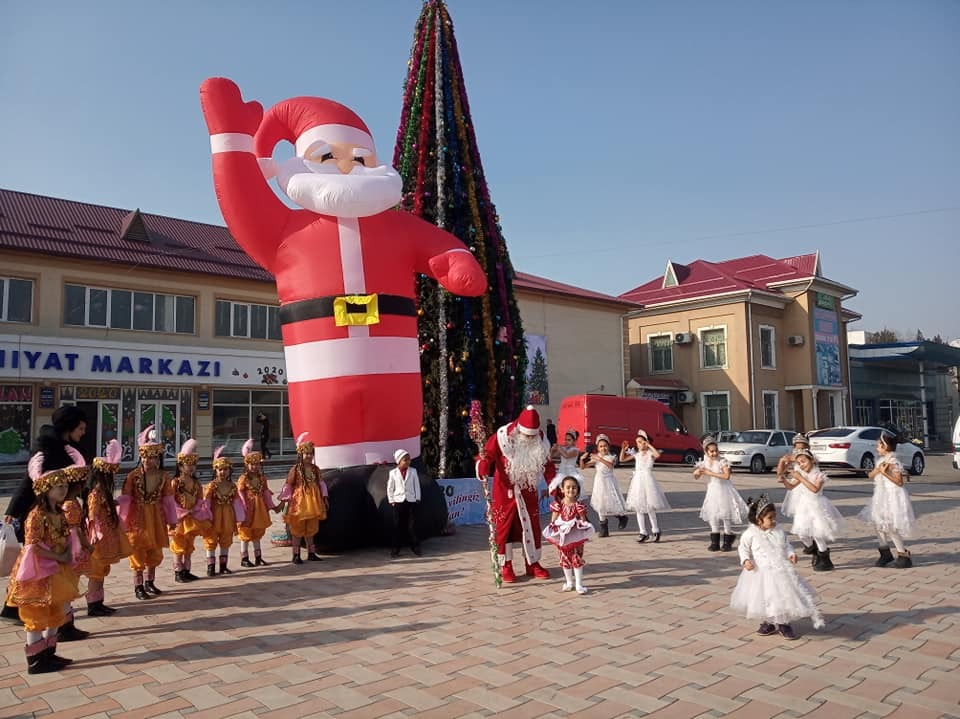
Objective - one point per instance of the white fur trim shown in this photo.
(351, 357)
(530, 549)
(231, 142)
(349, 455)
(334, 133)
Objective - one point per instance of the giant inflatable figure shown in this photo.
(345, 267)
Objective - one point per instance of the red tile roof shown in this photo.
(707, 279)
(35, 223)
(533, 283)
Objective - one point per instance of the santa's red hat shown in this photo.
(529, 421)
(305, 120)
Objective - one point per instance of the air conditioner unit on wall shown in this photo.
(795, 340)
(683, 338)
(686, 397)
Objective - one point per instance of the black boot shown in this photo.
(189, 576)
(55, 660)
(69, 633)
(151, 587)
(728, 542)
(211, 569)
(178, 576)
(37, 662)
(223, 566)
(814, 555)
(312, 557)
(886, 556)
(10, 612)
(105, 608)
(904, 560)
(604, 528)
(823, 562)
(245, 562)
(140, 592)
(258, 560)
(96, 609)
(622, 521)
(714, 542)
(297, 559)
(811, 549)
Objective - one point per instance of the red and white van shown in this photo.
(620, 417)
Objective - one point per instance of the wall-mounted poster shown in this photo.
(826, 331)
(537, 384)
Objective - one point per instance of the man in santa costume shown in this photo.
(345, 267)
(518, 458)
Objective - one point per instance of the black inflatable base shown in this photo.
(361, 516)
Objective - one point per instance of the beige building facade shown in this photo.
(751, 343)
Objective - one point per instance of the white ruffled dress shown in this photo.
(645, 493)
(890, 508)
(722, 501)
(566, 468)
(813, 514)
(772, 591)
(605, 497)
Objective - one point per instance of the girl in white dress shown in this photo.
(568, 455)
(890, 509)
(815, 520)
(722, 505)
(645, 497)
(605, 498)
(769, 588)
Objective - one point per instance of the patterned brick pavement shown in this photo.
(360, 635)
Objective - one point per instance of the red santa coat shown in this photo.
(354, 385)
(516, 514)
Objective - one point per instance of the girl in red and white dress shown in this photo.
(257, 502)
(227, 509)
(193, 512)
(306, 493)
(110, 543)
(568, 531)
(43, 581)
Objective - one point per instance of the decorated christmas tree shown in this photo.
(471, 348)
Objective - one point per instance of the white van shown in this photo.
(956, 444)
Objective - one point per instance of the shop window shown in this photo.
(16, 300)
(661, 353)
(125, 310)
(714, 344)
(16, 413)
(235, 414)
(240, 319)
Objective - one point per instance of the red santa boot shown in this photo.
(536, 571)
(506, 573)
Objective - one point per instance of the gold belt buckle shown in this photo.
(353, 310)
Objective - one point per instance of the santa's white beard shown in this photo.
(525, 460)
(322, 188)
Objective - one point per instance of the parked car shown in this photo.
(856, 448)
(956, 444)
(756, 449)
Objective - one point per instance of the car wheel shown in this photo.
(917, 465)
(690, 458)
(758, 465)
(866, 463)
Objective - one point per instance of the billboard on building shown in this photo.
(826, 332)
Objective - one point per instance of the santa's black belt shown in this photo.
(348, 309)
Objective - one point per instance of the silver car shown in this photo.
(757, 449)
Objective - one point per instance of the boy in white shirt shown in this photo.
(403, 493)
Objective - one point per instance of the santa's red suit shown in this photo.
(345, 279)
(515, 501)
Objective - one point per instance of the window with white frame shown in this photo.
(714, 348)
(16, 299)
(716, 411)
(85, 306)
(771, 409)
(661, 353)
(242, 319)
(768, 347)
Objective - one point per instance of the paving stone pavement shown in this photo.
(360, 635)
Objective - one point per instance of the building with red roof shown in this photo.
(752, 342)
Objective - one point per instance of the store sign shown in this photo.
(827, 302)
(46, 398)
(54, 359)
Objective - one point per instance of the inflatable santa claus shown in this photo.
(518, 459)
(345, 267)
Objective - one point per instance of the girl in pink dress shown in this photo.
(568, 531)
(110, 543)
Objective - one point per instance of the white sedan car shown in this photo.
(856, 448)
(756, 449)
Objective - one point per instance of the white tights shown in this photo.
(715, 526)
(642, 522)
(887, 537)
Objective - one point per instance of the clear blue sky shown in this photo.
(614, 135)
